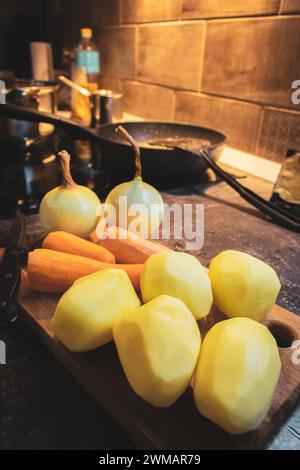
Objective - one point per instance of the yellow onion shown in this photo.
(138, 206)
(70, 207)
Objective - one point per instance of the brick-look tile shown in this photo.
(238, 119)
(290, 6)
(141, 11)
(117, 48)
(109, 83)
(148, 101)
(253, 59)
(221, 8)
(172, 54)
(280, 131)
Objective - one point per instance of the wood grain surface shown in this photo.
(52, 411)
(179, 426)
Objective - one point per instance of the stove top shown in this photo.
(30, 169)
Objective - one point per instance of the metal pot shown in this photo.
(25, 93)
(106, 107)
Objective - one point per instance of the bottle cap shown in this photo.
(86, 33)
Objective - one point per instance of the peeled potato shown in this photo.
(243, 286)
(85, 314)
(180, 275)
(158, 346)
(237, 374)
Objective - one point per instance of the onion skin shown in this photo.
(141, 222)
(70, 207)
(137, 192)
(73, 210)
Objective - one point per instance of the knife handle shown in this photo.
(10, 274)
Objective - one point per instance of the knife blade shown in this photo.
(10, 270)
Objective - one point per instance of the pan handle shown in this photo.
(279, 215)
(26, 114)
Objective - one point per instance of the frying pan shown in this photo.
(171, 154)
(163, 167)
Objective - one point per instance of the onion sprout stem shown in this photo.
(67, 181)
(137, 153)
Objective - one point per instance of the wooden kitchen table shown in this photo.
(41, 405)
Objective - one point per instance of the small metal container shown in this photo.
(106, 107)
(25, 93)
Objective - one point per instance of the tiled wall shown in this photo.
(227, 64)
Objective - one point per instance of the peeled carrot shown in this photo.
(68, 243)
(128, 247)
(2, 251)
(54, 271)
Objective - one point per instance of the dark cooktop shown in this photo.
(30, 169)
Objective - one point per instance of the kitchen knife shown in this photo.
(10, 270)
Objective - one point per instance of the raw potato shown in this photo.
(180, 275)
(85, 314)
(237, 374)
(158, 345)
(243, 286)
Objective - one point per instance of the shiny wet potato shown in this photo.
(237, 374)
(243, 286)
(84, 316)
(158, 346)
(180, 275)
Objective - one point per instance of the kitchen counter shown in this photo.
(41, 405)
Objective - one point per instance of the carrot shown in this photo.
(68, 243)
(54, 271)
(2, 251)
(128, 247)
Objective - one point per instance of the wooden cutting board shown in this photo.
(179, 426)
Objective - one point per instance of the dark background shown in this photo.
(23, 21)
(242, 85)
